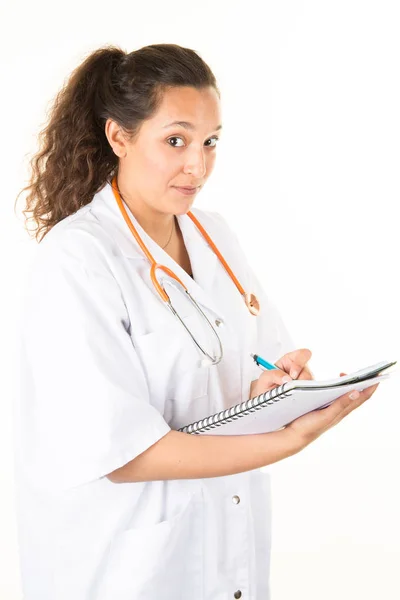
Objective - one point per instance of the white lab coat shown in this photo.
(105, 371)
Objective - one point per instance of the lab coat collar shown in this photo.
(203, 260)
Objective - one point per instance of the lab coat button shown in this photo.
(218, 322)
(236, 500)
(237, 594)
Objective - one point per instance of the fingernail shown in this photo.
(354, 395)
(286, 378)
(294, 373)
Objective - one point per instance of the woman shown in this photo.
(114, 503)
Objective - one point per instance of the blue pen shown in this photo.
(262, 362)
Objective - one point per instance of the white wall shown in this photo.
(308, 176)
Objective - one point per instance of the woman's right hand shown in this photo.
(310, 426)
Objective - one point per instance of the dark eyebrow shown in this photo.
(187, 125)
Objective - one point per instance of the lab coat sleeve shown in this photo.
(85, 408)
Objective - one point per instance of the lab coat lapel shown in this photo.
(204, 261)
(204, 264)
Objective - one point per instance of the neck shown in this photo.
(156, 224)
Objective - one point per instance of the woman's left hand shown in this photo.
(295, 364)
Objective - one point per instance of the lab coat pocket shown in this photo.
(171, 362)
(164, 560)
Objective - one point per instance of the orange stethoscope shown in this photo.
(250, 299)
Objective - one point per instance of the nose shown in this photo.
(196, 164)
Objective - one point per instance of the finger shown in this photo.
(367, 392)
(337, 410)
(349, 406)
(275, 377)
(295, 368)
(293, 362)
(306, 373)
(364, 395)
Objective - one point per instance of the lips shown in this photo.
(187, 191)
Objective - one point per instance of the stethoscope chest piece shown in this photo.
(252, 303)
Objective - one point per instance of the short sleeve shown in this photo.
(83, 405)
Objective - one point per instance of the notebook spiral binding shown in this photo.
(235, 412)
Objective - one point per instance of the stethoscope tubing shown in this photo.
(250, 300)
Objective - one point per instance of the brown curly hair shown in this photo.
(75, 159)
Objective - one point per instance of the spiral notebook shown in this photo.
(285, 403)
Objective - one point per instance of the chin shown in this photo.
(182, 207)
(183, 211)
(182, 204)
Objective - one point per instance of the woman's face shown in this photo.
(165, 155)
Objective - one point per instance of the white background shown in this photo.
(307, 174)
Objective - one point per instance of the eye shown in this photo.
(174, 138)
(214, 138)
